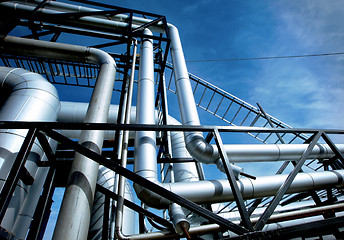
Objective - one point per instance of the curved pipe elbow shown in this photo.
(150, 198)
(99, 57)
(32, 91)
(206, 153)
(61, 51)
(200, 149)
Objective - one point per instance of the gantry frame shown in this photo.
(55, 26)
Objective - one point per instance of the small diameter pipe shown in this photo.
(200, 230)
(124, 153)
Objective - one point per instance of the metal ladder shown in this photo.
(234, 111)
(221, 104)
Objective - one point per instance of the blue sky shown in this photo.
(303, 92)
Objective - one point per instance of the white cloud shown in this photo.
(305, 92)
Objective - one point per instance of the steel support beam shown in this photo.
(323, 227)
(283, 189)
(135, 207)
(270, 122)
(154, 127)
(333, 147)
(232, 181)
(10, 184)
(213, 218)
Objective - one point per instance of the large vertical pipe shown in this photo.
(74, 217)
(26, 96)
(106, 178)
(145, 145)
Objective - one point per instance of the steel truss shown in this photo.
(42, 130)
(210, 98)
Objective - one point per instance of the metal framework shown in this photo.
(241, 116)
(45, 129)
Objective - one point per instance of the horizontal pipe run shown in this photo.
(200, 230)
(237, 153)
(243, 151)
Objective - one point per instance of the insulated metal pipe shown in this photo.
(237, 153)
(199, 149)
(200, 230)
(79, 193)
(106, 178)
(145, 142)
(82, 181)
(219, 190)
(195, 143)
(183, 172)
(26, 96)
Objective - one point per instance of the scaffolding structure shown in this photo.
(292, 209)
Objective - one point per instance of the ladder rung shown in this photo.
(227, 110)
(218, 106)
(236, 114)
(211, 99)
(199, 103)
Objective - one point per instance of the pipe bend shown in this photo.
(27, 86)
(99, 57)
(200, 149)
(152, 199)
